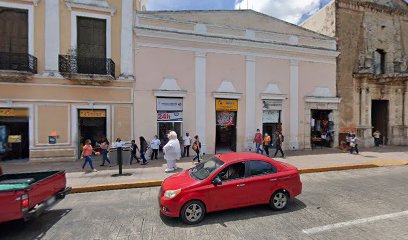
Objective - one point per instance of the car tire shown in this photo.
(192, 212)
(279, 200)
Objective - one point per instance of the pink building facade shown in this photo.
(223, 74)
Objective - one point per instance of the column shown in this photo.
(201, 116)
(294, 104)
(250, 101)
(406, 113)
(126, 53)
(52, 36)
(363, 104)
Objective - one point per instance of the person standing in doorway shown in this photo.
(154, 145)
(376, 136)
(258, 141)
(278, 143)
(86, 154)
(172, 151)
(354, 144)
(105, 146)
(143, 149)
(266, 143)
(133, 149)
(197, 148)
(187, 144)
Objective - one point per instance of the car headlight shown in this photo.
(171, 193)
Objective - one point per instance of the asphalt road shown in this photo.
(356, 204)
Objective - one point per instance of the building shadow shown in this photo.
(33, 229)
(232, 215)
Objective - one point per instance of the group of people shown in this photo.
(352, 142)
(266, 143)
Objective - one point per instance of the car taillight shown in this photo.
(24, 202)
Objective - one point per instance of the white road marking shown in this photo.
(353, 222)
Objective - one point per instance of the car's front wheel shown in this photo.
(279, 200)
(193, 212)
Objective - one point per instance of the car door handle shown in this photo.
(240, 185)
(273, 179)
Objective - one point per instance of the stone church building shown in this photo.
(372, 73)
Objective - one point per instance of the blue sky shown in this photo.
(294, 11)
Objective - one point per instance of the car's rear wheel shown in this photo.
(193, 212)
(279, 200)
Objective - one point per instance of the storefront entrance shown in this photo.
(226, 122)
(322, 128)
(271, 118)
(14, 133)
(379, 118)
(91, 125)
(169, 118)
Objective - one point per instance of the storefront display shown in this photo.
(91, 125)
(271, 118)
(322, 128)
(226, 119)
(169, 117)
(14, 131)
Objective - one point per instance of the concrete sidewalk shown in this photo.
(306, 160)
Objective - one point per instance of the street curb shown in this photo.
(157, 183)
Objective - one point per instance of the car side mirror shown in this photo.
(217, 181)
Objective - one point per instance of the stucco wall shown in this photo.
(324, 21)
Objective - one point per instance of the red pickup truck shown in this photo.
(27, 195)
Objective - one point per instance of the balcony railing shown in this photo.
(18, 62)
(83, 65)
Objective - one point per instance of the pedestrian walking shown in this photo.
(133, 149)
(172, 151)
(266, 143)
(186, 144)
(258, 141)
(86, 155)
(154, 145)
(143, 149)
(119, 143)
(354, 144)
(105, 146)
(197, 148)
(376, 136)
(278, 143)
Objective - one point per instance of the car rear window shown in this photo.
(261, 168)
(204, 169)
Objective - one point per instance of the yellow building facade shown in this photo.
(66, 75)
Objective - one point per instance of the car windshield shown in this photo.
(204, 169)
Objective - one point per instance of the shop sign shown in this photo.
(92, 113)
(225, 118)
(13, 112)
(169, 104)
(14, 138)
(271, 105)
(226, 105)
(52, 140)
(170, 116)
(270, 116)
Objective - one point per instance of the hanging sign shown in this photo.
(92, 113)
(14, 139)
(270, 116)
(226, 105)
(169, 104)
(226, 118)
(13, 112)
(169, 116)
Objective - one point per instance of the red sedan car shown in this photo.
(228, 181)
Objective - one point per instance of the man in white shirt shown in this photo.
(187, 144)
(155, 145)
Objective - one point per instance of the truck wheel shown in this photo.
(192, 212)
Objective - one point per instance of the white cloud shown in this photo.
(287, 10)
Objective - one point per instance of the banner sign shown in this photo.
(226, 105)
(169, 104)
(92, 113)
(270, 116)
(170, 116)
(226, 118)
(14, 139)
(271, 105)
(13, 112)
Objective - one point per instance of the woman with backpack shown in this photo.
(197, 148)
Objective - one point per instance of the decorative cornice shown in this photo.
(350, 4)
(322, 99)
(35, 2)
(169, 93)
(227, 95)
(271, 96)
(109, 10)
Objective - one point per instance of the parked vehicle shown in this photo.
(228, 181)
(27, 195)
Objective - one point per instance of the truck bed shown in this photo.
(22, 180)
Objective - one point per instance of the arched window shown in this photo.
(379, 61)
